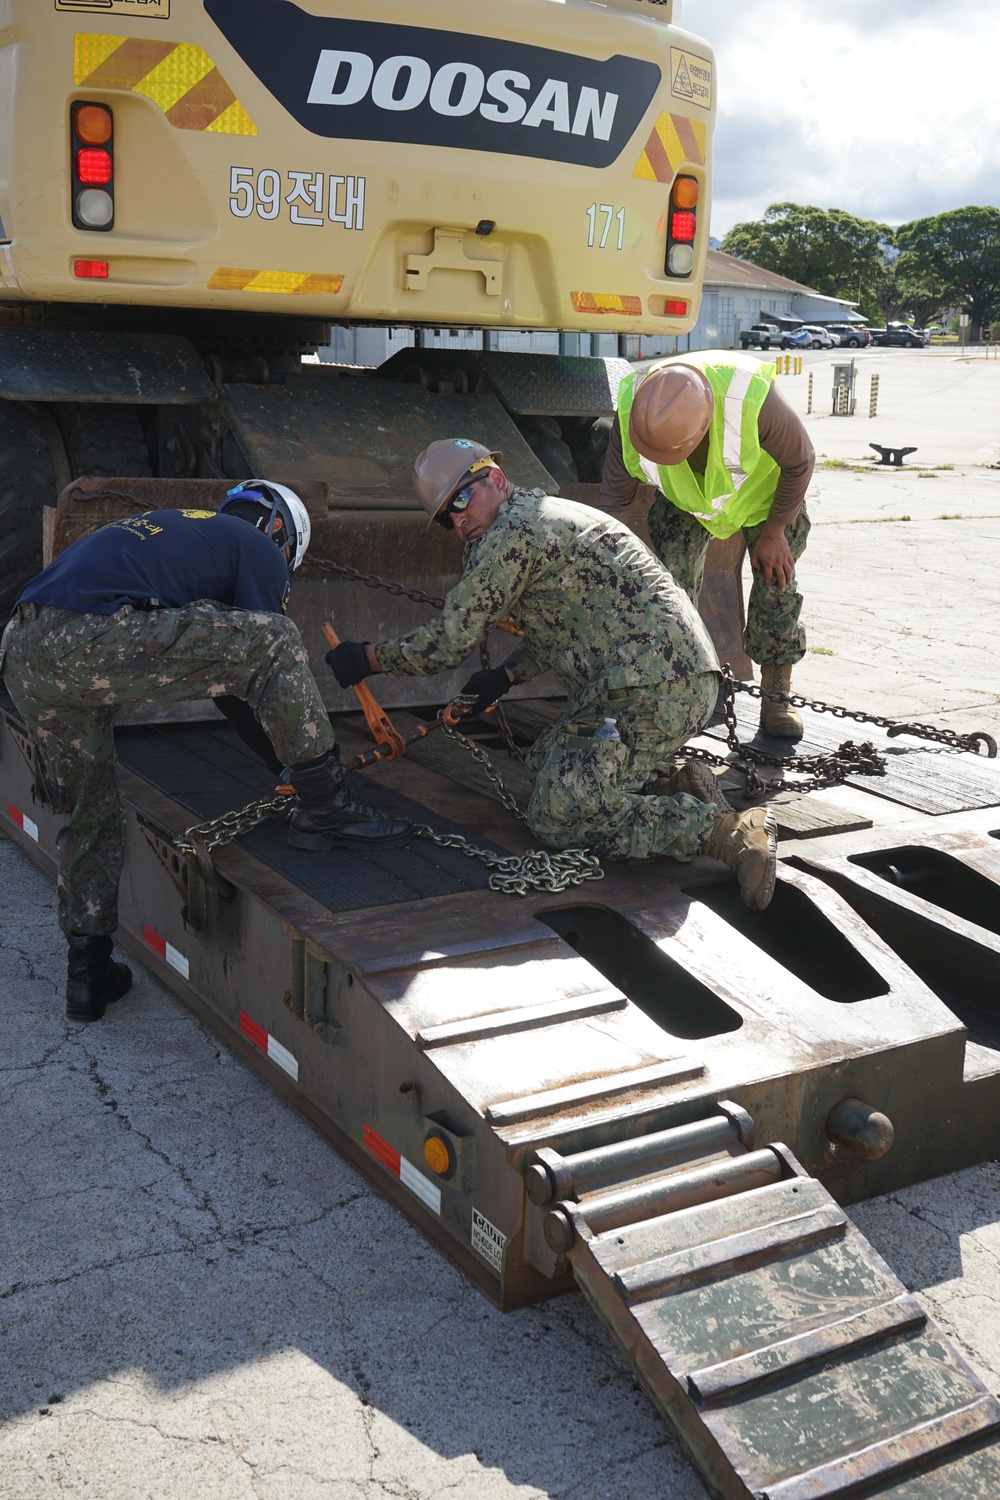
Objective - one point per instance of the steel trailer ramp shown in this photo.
(787, 1357)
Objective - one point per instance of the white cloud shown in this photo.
(886, 108)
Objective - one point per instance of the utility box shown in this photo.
(844, 378)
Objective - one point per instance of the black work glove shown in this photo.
(349, 662)
(488, 685)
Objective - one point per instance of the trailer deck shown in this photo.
(636, 1085)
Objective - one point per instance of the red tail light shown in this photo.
(94, 166)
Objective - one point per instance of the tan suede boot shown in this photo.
(748, 843)
(695, 778)
(777, 718)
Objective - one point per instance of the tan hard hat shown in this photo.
(671, 413)
(441, 468)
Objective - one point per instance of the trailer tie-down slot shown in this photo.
(802, 939)
(654, 981)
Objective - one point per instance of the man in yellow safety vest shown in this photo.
(726, 452)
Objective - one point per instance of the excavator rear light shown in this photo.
(674, 309)
(91, 269)
(92, 159)
(93, 166)
(682, 226)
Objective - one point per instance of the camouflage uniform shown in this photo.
(599, 611)
(68, 673)
(773, 630)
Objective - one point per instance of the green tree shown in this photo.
(959, 250)
(902, 290)
(827, 249)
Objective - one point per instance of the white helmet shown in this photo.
(282, 502)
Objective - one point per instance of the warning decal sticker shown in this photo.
(487, 1240)
(691, 77)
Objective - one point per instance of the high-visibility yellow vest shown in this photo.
(740, 479)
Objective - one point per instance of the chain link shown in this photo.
(515, 875)
(229, 825)
(893, 727)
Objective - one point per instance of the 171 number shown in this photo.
(610, 217)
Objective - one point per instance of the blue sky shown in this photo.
(889, 109)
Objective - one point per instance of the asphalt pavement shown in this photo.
(199, 1297)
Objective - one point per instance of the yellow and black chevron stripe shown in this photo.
(180, 78)
(291, 283)
(674, 141)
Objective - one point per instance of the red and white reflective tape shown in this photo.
(269, 1046)
(427, 1191)
(166, 951)
(20, 820)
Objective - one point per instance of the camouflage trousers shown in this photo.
(591, 792)
(773, 631)
(68, 675)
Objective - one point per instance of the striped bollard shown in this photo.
(873, 397)
(809, 398)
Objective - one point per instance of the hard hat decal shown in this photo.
(178, 77)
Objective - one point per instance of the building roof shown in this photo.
(728, 270)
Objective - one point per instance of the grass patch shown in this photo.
(876, 520)
(942, 466)
(926, 474)
(821, 651)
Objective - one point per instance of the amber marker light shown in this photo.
(685, 193)
(93, 124)
(437, 1155)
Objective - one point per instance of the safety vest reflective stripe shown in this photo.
(733, 419)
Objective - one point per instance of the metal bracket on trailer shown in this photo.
(194, 875)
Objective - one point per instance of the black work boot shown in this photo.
(329, 816)
(92, 979)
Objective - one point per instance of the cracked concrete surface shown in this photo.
(199, 1297)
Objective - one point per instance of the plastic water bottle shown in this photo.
(609, 731)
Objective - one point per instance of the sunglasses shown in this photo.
(458, 502)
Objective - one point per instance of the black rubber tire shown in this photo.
(854, 343)
(765, 343)
(544, 437)
(27, 483)
(104, 440)
(588, 440)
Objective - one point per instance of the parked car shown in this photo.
(900, 337)
(819, 338)
(799, 338)
(850, 335)
(762, 336)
